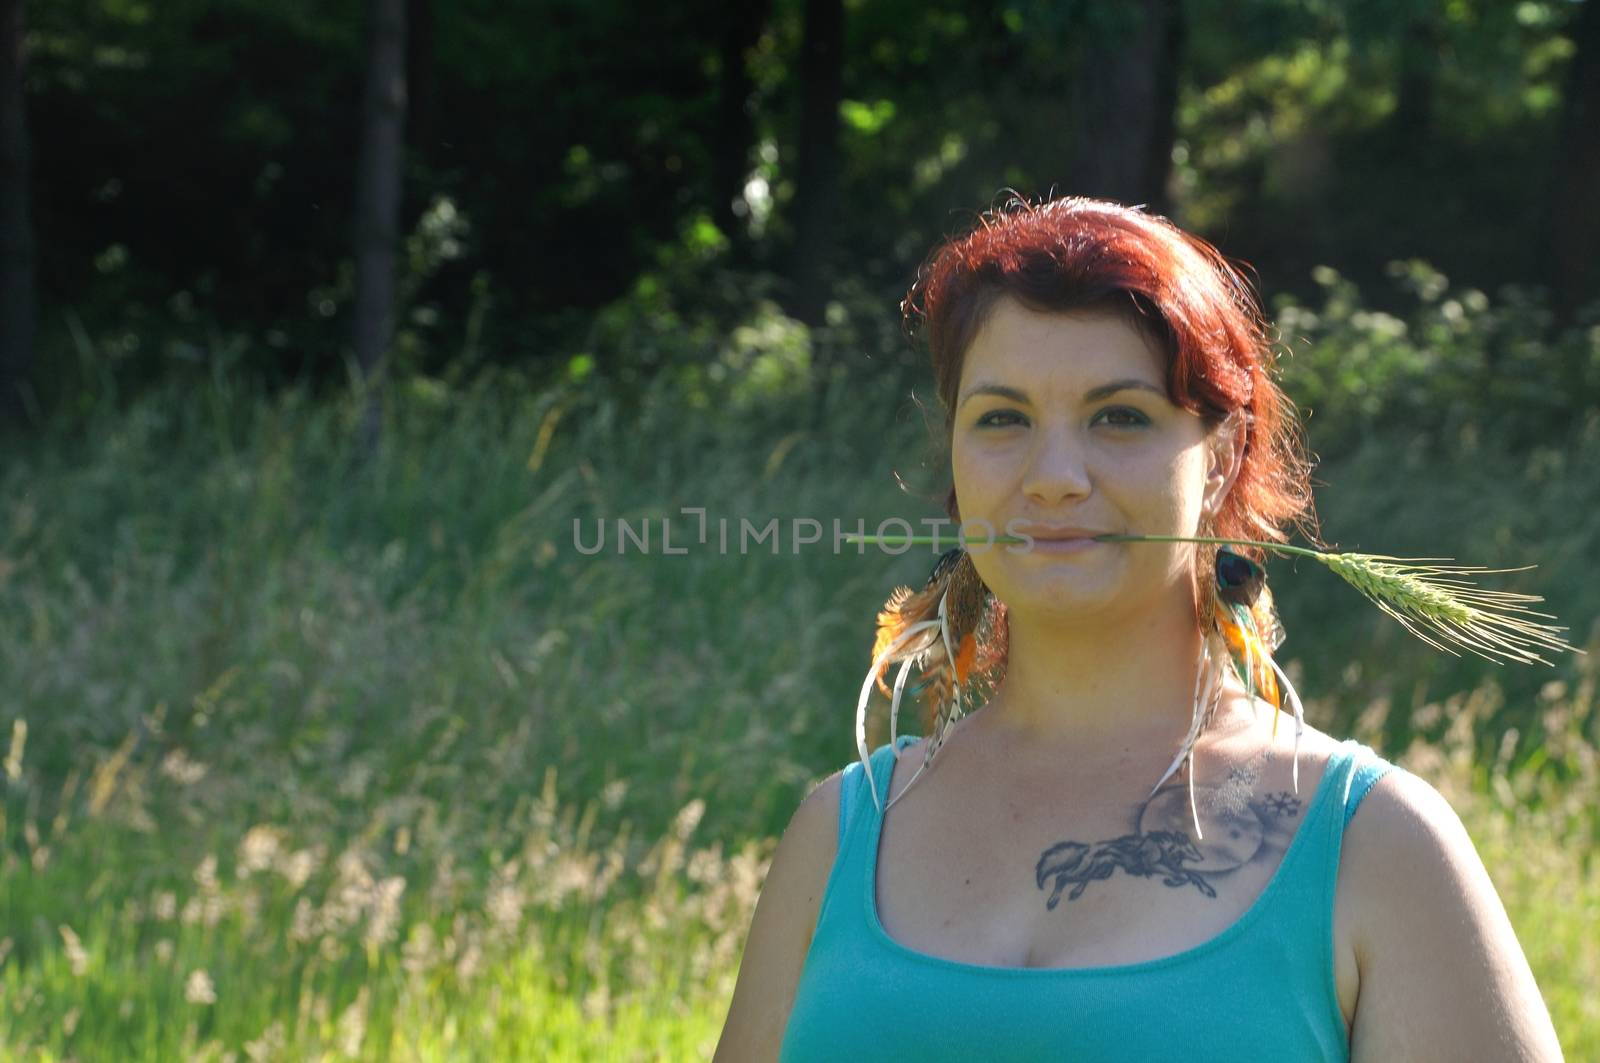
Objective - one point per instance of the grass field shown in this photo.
(311, 757)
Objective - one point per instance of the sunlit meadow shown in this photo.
(312, 757)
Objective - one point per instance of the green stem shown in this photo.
(1300, 550)
(910, 540)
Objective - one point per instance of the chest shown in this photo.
(1025, 884)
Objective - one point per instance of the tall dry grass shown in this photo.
(306, 757)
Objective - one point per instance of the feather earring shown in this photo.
(1207, 693)
(1245, 614)
(933, 630)
(1243, 629)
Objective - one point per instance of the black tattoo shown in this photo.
(1146, 855)
(1237, 827)
(1282, 803)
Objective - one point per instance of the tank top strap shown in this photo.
(1365, 768)
(856, 814)
(1358, 767)
(1293, 919)
(854, 800)
(1351, 772)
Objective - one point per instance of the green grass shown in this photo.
(311, 757)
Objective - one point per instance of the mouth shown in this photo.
(1056, 539)
(1058, 533)
(1073, 545)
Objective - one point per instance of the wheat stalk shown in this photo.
(1427, 598)
(1486, 622)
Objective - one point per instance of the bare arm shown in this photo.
(1442, 976)
(781, 929)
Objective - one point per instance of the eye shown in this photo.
(988, 419)
(1130, 418)
(1135, 417)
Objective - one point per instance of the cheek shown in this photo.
(1183, 485)
(973, 485)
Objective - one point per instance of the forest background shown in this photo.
(321, 325)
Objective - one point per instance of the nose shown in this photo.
(1057, 467)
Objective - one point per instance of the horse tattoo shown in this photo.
(1159, 852)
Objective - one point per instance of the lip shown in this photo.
(1058, 539)
(1059, 532)
(1061, 546)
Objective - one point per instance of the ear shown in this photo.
(1226, 457)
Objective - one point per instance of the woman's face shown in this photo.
(1040, 437)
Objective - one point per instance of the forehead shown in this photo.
(1041, 351)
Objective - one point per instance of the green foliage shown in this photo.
(1357, 134)
(185, 188)
(1449, 361)
(306, 756)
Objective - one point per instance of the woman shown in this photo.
(1030, 898)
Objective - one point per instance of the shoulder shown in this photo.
(1404, 818)
(1429, 931)
(806, 851)
(782, 926)
(814, 827)
(1406, 845)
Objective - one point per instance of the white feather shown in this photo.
(1299, 718)
(941, 722)
(899, 690)
(1206, 667)
(866, 692)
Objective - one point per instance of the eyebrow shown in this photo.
(1092, 395)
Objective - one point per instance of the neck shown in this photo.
(1113, 681)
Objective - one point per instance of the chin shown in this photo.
(1067, 595)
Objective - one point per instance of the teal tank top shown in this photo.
(1262, 989)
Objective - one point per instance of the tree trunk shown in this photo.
(378, 201)
(817, 176)
(1573, 224)
(16, 229)
(735, 123)
(1124, 97)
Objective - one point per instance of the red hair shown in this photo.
(1082, 254)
